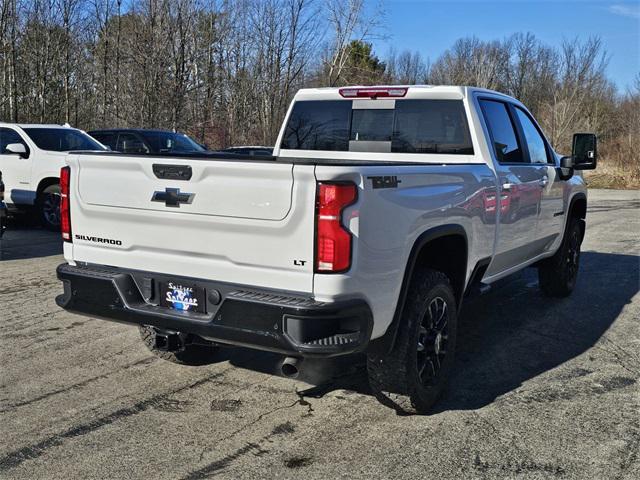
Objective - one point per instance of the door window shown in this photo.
(61, 139)
(163, 142)
(130, 143)
(503, 133)
(535, 143)
(107, 138)
(8, 136)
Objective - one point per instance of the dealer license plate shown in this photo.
(181, 296)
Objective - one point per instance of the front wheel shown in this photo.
(48, 205)
(558, 275)
(411, 377)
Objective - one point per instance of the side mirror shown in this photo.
(585, 151)
(18, 148)
(566, 162)
(566, 168)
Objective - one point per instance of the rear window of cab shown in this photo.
(413, 126)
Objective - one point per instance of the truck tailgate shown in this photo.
(246, 222)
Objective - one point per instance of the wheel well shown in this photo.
(442, 248)
(579, 208)
(46, 182)
(447, 254)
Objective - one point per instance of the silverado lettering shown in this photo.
(109, 241)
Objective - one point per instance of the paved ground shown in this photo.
(544, 388)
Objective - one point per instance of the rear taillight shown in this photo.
(65, 214)
(333, 241)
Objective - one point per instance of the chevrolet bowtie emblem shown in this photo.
(172, 197)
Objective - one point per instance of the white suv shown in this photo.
(30, 160)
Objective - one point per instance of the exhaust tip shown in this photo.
(291, 367)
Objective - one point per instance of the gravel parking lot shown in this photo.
(543, 389)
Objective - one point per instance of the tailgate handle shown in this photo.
(172, 172)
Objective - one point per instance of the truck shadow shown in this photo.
(506, 337)
(24, 239)
(515, 333)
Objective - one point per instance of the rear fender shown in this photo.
(386, 342)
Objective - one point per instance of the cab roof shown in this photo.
(33, 125)
(137, 130)
(413, 91)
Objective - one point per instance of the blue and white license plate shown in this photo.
(184, 297)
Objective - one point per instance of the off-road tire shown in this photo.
(192, 354)
(394, 376)
(557, 275)
(47, 201)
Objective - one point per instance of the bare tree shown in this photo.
(9, 26)
(225, 70)
(349, 22)
(283, 44)
(472, 62)
(532, 74)
(407, 68)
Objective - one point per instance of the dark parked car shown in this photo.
(143, 141)
(3, 208)
(260, 151)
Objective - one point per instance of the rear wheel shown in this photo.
(190, 353)
(558, 275)
(411, 377)
(48, 205)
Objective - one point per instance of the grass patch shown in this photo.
(612, 176)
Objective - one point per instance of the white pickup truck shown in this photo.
(30, 159)
(380, 209)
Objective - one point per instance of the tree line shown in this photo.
(224, 71)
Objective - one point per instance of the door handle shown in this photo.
(544, 181)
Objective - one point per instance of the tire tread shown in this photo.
(552, 274)
(389, 375)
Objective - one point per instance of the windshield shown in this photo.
(62, 139)
(171, 142)
(409, 126)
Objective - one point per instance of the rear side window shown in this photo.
(413, 126)
(318, 125)
(165, 142)
(431, 126)
(503, 134)
(108, 138)
(130, 143)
